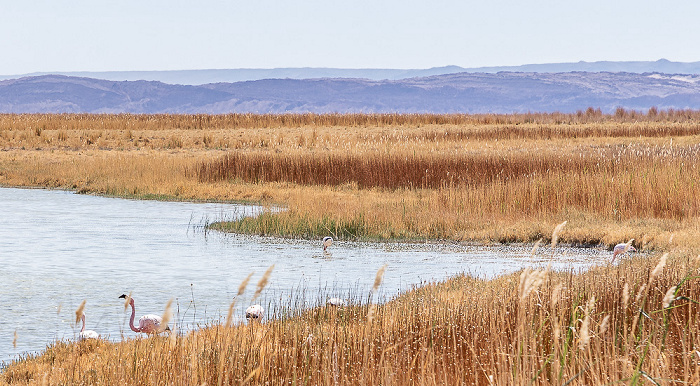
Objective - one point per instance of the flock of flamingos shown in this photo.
(151, 324)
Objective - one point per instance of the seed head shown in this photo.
(669, 297)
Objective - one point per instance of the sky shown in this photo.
(140, 35)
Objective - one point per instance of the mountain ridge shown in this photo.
(205, 76)
(502, 92)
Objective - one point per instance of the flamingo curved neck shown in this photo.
(133, 315)
(83, 319)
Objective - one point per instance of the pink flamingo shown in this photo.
(327, 241)
(149, 324)
(622, 248)
(254, 312)
(87, 334)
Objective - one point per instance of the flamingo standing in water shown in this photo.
(87, 334)
(327, 241)
(254, 312)
(336, 302)
(149, 324)
(622, 248)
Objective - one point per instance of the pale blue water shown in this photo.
(58, 249)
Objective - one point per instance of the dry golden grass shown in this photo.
(511, 178)
(489, 177)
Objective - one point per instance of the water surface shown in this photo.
(58, 249)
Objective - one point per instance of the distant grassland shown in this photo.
(459, 177)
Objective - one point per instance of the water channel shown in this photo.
(58, 248)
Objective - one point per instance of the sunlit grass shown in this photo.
(484, 178)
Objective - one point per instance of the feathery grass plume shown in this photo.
(556, 294)
(659, 267)
(534, 247)
(244, 283)
(639, 294)
(625, 295)
(79, 311)
(60, 305)
(669, 297)
(604, 325)
(670, 239)
(241, 290)
(167, 314)
(555, 234)
(531, 280)
(263, 282)
(126, 302)
(585, 335)
(378, 278)
(523, 279)
(14, 340)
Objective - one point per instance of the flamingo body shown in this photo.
(87, 334)
(336, 302)
(254, 312)
(149, 324)
(327, 241)
(622, 248)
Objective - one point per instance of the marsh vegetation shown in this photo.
(483, 178)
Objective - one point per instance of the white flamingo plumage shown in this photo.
(336, 302)
(327, 241)
(149, 324)
(87, 334)
(254, 312)
(622, 248)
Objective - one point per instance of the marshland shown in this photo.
(456, 180)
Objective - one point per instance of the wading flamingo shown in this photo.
(622, 248)
(254, 312)
(327, 241)
(149, 324)
(87, 334)
(336, 302)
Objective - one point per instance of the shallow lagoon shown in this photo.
(58, 248)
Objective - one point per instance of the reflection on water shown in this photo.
(58, 249)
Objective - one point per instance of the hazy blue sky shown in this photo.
(100, 35)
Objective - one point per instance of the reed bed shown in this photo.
(484, 178)
(631, 324)
(490, 178)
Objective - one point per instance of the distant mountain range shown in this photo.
(462, 92)
(198, 77)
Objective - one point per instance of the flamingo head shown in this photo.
(124, 296)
